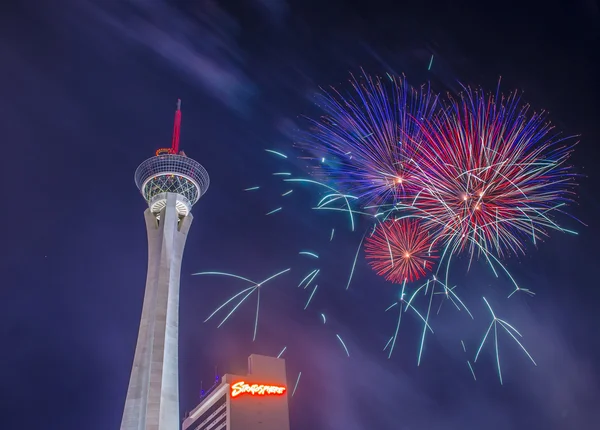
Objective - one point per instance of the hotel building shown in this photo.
(256, 401)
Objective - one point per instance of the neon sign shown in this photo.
(255, 389)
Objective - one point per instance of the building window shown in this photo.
(208, 420)
(215, 425)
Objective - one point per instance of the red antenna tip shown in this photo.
(176, 128)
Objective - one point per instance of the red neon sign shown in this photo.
(256, 389)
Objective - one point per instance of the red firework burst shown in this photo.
(493, 173)
(400, 250)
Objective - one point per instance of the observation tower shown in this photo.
(171, 183)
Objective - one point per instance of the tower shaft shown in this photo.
(152, 401)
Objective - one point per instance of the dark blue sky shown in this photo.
(87, 92)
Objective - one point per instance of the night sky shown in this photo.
(87, 92)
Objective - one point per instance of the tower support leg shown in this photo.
(152, 401)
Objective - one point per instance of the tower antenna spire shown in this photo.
(176, 128)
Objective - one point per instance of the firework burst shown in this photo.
(478, 174)
(492, 174)
(366, 138)
(400, 250)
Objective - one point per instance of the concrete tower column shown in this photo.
(153, 395)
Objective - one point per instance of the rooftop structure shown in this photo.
(256, 401)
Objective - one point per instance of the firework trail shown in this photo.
(403, 306)
(244, 294)
(296, 385)
(365, 140)
(343, 344)
(509, 329)
(282, 351)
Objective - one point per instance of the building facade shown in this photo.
(256, 401)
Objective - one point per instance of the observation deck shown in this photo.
(171, 173)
